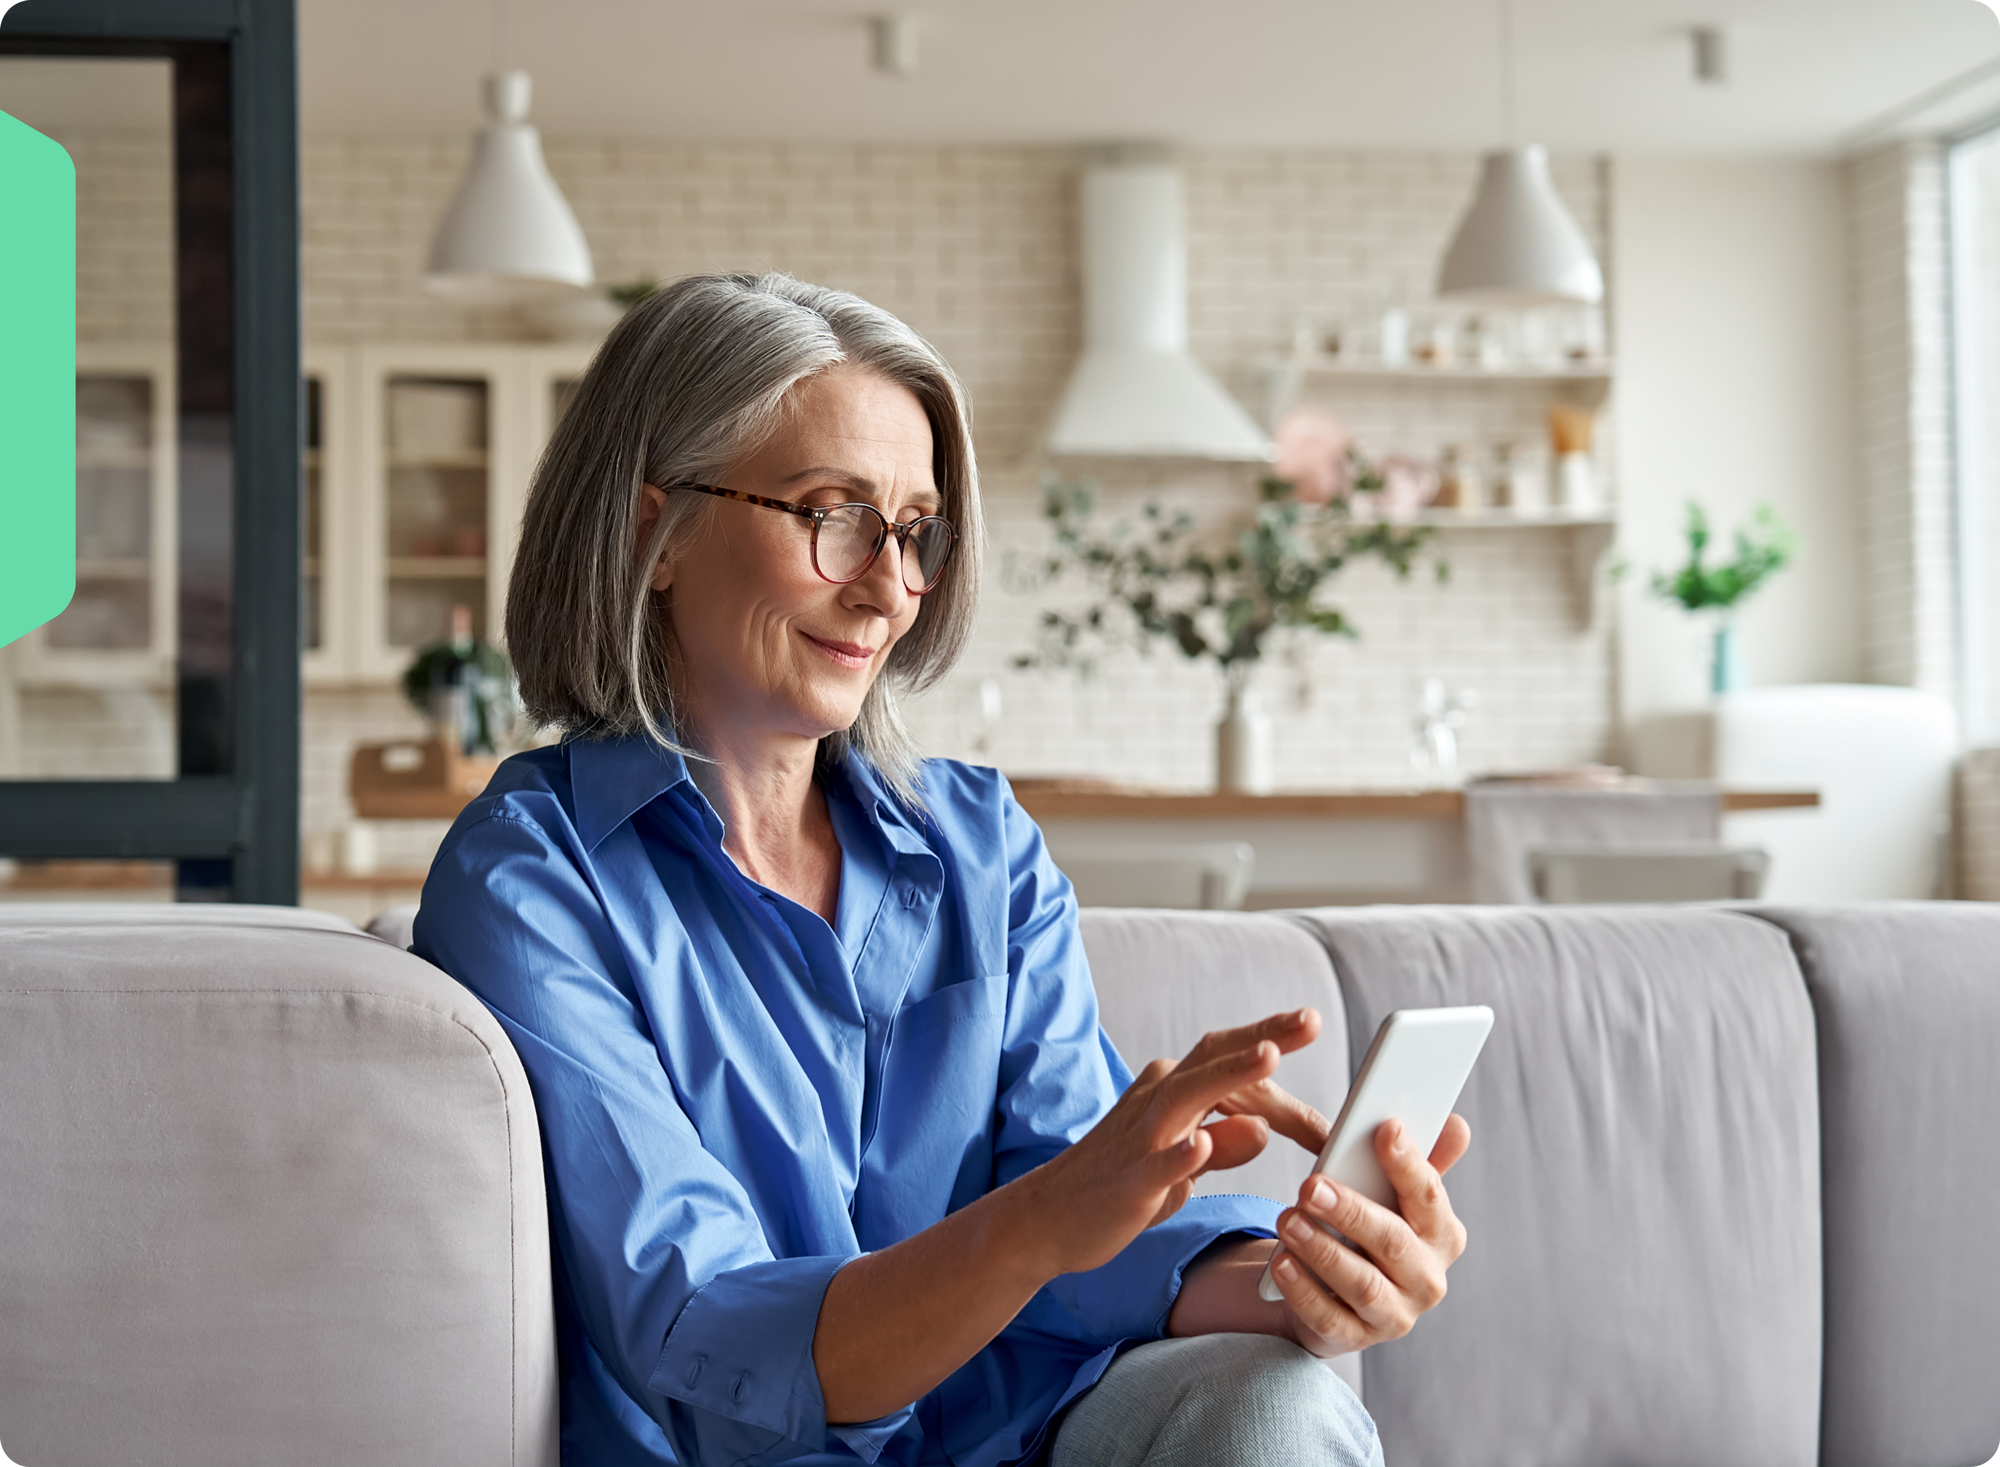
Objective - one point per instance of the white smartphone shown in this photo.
(1412, 1073)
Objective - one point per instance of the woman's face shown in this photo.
(771, 650)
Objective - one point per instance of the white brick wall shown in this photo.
(1903, 413)
(1978, 820)
(124, 234)
(976, 247)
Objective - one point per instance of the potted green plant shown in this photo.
(1763, 548)
(1220, 594)
(465, 687)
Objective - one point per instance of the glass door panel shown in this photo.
(439, 484)
(115, 570)
(93, 694)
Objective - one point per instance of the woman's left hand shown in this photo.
(1343, 1296)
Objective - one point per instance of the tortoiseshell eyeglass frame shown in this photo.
(818, 513)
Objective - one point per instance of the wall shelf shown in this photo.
(1322, 366)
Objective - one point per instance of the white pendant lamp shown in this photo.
(509, 234)
(1517, 245)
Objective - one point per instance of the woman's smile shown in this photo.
(852, 655)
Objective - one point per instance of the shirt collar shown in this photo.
(611, 780)
(898, 825)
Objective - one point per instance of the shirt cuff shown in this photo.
(1130, 1297)
(742, 1349)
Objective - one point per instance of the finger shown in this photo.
(1169, 1166)
(1369, 1294)
(1235, 1140)
(1289, 1116)
(1419, 1189)
(1407, 1260)
(1453, 1142)
(1289, 1031)
(1185, 1098)
(1317, 1307)
(1176, 1199)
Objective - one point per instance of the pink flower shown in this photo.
(1407, 486)
(1312, 457)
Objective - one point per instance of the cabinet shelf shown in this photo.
(104, 456)
(114, 568)
(464, 460)
(437, 567)
(1514, 519)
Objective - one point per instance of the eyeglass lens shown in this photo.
(851, 534)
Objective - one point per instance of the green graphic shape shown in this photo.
(37, 378)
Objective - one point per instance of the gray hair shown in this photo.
(692, 380)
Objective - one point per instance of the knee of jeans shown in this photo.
(1258, 1383)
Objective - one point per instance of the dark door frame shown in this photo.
(240, 822)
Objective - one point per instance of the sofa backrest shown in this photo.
(273, 1195)
(1642, 1283)
(1907, 997)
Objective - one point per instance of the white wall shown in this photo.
(1730, 315)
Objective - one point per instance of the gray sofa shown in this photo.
(272, 1193)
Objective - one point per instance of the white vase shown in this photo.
(1245, 756)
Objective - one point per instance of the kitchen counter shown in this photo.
(1051, 799)
(1314, 847)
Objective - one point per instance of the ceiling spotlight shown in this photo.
(895, 38)
(1711, 55)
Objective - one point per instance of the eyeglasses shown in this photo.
(846, 538)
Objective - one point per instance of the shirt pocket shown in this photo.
(976, 999)
(932, 1148)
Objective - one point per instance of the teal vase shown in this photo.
(1725, 668)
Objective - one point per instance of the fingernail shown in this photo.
(1297, 1229)
(1286, 1269)
(1322, 1193)
(1399, 1141)
(1300, 1016)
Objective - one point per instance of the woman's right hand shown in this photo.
(1138, 1165)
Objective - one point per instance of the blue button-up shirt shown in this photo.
(736, 1099)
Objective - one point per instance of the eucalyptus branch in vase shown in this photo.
(1763, 548)
(1220, 594)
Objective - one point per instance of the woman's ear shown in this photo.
(652, 503)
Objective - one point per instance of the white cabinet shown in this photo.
(119, 630)
(416, 467)
(425, 454)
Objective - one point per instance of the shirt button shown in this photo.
(694, 1370)
(912, 897)
(736, 1391)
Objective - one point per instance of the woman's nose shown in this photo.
(881, 586)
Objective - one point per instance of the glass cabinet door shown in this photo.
(436, 515)
(116, 572)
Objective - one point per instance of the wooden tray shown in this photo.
(416, 779)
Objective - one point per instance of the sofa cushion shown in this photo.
(1642, 1283)
(1908, 1001)
(274, 1194)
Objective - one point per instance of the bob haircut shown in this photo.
(694, 379)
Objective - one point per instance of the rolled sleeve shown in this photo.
(1130, 1297)
(742, 1349)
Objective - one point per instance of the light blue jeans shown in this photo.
(1218, 1401)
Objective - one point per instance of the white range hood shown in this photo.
(1136, 393)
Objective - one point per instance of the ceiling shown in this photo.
(1592, 75)
(1610, 75)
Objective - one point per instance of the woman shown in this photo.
(839, 1161)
